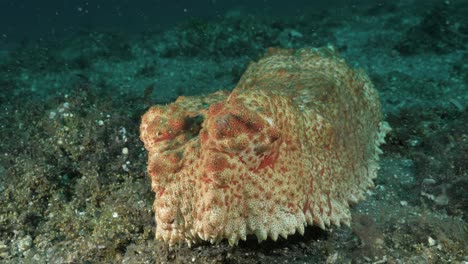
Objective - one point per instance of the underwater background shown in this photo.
(76, 76)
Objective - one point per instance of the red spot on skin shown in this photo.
(206, 179)
(269, 161)
(173, 158)
(217, 164)
(241, 159)
(176, 124)
(306, 206)
(163, 136)
(160, 192)
(278, 182)
(261, 138)
(292, 147)
(204, 137)
(215, 108)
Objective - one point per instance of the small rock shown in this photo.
(428, 181)
(52, 115)
(3, 250)
(295, 34)
(24, 244)
(441, 199)
(125, 151)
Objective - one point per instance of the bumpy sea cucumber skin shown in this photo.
(293, 145)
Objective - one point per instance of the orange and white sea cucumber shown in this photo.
(292, 145)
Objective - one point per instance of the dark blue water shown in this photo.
(25, 19)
